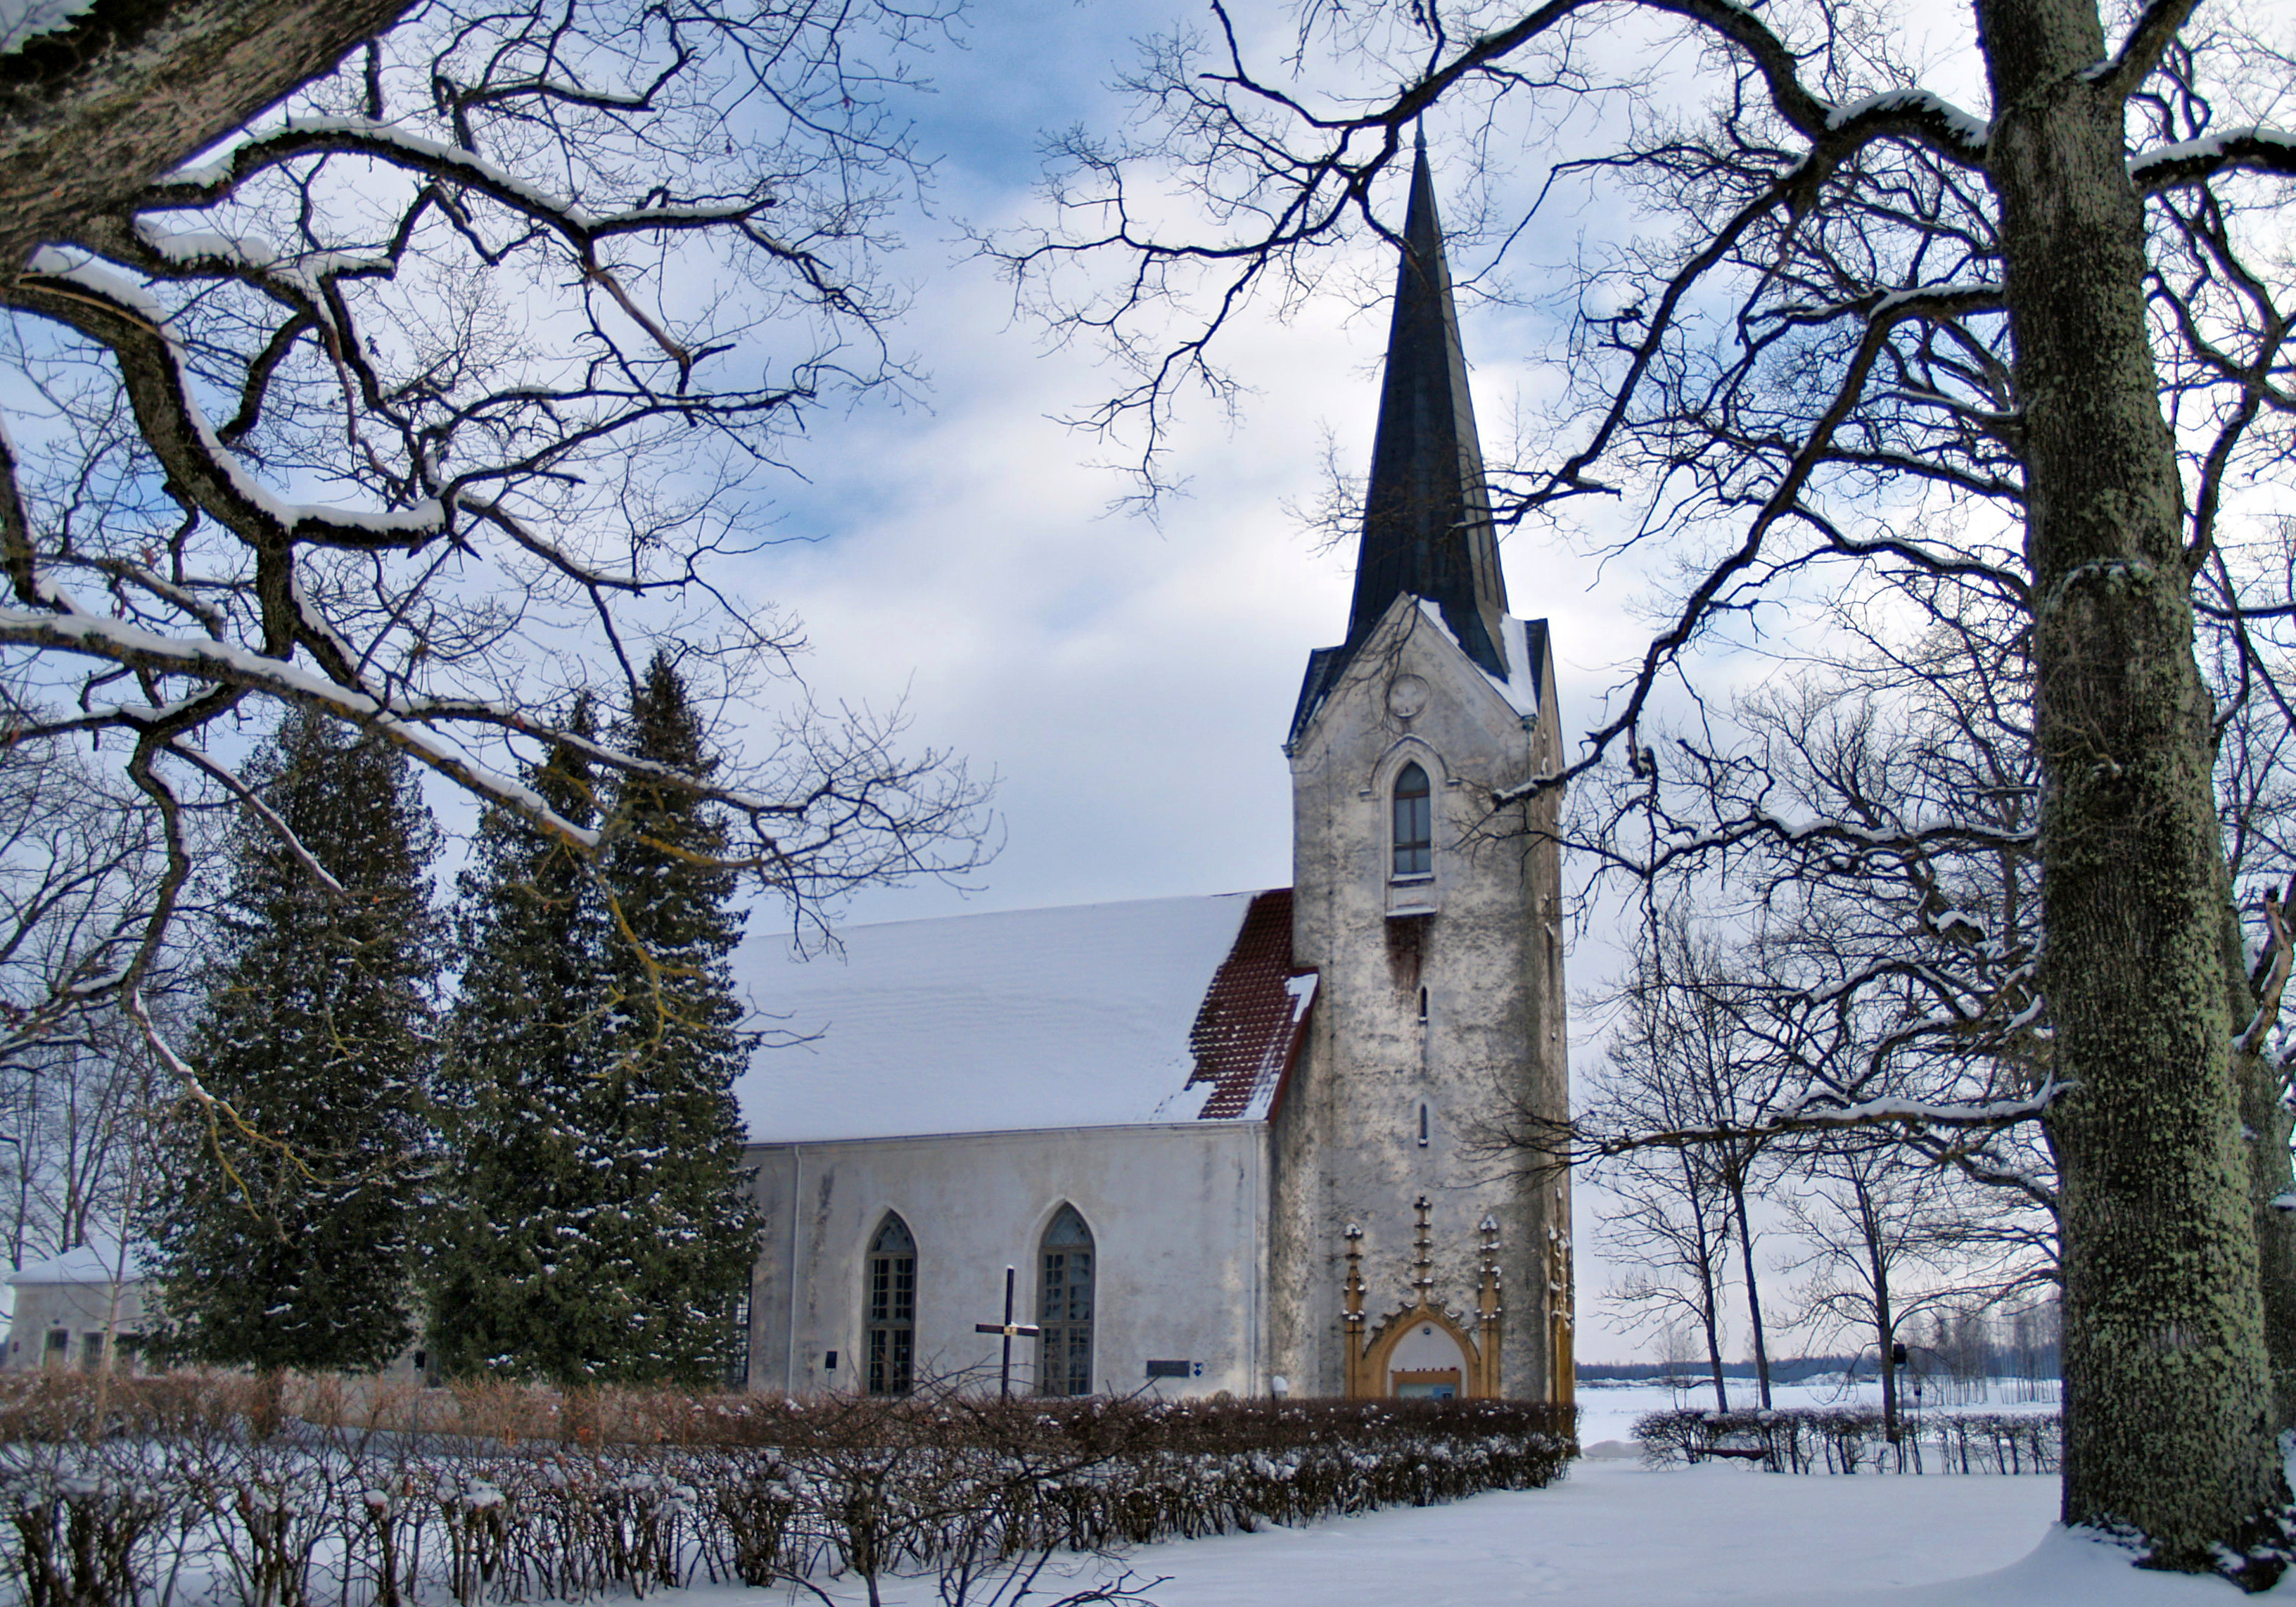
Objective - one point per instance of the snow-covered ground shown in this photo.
(1615, 1534)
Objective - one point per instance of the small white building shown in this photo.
(73, 1309)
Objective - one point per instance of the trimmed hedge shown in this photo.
(289, 1496)
(1850, 1440)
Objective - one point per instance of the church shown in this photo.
(1238, 1143)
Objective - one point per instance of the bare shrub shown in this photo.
(1847, 1438)
(291, 1492)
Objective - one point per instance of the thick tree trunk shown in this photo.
(1885, 1320)
(2266, 1126)
(2265, 1123)
(91, 112)
(2166, 1427)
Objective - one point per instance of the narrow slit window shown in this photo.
(891, 1335)
(1422, 1124)
(1423, 1007)
(1414, 824)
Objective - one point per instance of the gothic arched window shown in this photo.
(1414, 824)
(890, 1328)
(1064, 1306)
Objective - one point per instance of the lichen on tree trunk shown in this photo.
(2266, 1126)
(2265, 1123)
(2167, 1430)
(92, 112)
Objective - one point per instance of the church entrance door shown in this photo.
(1426, 1364)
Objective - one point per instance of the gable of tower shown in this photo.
(1413, 646)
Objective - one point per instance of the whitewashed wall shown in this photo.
(1177, 1213)
(77, 1310)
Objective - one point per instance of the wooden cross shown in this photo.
(1012, 1330)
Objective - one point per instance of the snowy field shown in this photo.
(1617, 1533)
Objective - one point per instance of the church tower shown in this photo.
(1410, 1255)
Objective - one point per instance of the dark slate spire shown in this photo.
(1427, 519)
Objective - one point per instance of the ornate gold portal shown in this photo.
(1370, 1355)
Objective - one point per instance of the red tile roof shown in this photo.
(1254, 1016)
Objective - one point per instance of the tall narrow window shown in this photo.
(1414, 823)
(739, 1342)
(890, 1341)
(1064, 1308)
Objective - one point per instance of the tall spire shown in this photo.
(1427, 520)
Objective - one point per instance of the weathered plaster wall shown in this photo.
(1491, 1043)
(1177, 1213)
(79, 1309)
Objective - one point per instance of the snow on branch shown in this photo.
(402, 406)
(1917, 114)
(303, 136)
(1815, 1116)
(2255, 149)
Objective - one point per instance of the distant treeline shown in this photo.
(2037, 1363)
(1782, 1371)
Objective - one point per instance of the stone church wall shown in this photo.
(1177, 1213)
(1444, 994)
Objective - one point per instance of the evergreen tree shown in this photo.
(600, 1229)
(512, 1270)
(285, 1219)
(678, 1236)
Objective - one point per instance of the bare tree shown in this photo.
(427, 394)
(1872, 1224)
(1876, 330)
(1695, 1053)
(81, 864)
(1669, 1228)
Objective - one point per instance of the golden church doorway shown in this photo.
(1426, 1364)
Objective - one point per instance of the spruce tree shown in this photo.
(599, 1228)
(287, 1214)
(513, 1267)
(677, 1237)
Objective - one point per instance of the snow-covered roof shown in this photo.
(1524, 643)
(1095, 1015)
(91, 1263)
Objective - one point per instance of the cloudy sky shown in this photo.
(1127, 682)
